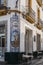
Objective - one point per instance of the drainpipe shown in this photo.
(8, 34)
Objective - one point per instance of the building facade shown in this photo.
(21, 23)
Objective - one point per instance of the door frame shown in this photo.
(25, 38)
(2, 48)
(2, 36)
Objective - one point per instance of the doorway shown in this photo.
(28, 42)
(38, 42)
(2, 39)
(2, 46)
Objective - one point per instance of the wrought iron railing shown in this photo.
(29, 11)
(32, 13)
(41, 22)
(2, 7)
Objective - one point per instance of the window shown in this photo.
(0, 1)
(3, 2)
(2, 29)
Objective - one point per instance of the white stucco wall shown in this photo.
(11, 4)
(23, 25)
(6, 19)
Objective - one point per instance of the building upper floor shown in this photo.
(31, 8)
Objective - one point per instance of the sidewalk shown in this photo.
(32, 62)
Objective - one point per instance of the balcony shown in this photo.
(30, 14)
(41, 22)
(2, 8)
(39, 25)
(39, 2)
(2, 29)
